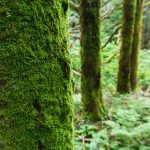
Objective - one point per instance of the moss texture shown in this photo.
(123, 85)
(35, 76)
(136, 44)
(90, 59)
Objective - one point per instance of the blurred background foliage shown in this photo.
(127, 126)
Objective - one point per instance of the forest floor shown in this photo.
(126, 127)
(127, 123)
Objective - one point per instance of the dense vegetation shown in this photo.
(107, 63)
(127, 123)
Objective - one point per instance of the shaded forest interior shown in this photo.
(75, 75)
(126, 124)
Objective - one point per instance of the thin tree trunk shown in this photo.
(146, 28)
(90, 59)
(35, 76)
(136, 45)
(123, 85)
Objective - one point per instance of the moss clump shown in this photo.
(35, 76)
(90, 58)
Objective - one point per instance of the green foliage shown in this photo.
(144, 72)
(127, 127)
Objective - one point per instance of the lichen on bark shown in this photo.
(36, 107)
(90, 59)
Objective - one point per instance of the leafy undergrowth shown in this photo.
(127, 126)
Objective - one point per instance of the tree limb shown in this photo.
(111, 12)
(111, 37)
(105, 3)
(74, 7)
(111, 58)
(147, 4)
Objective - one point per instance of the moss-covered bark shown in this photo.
(146, 28)
(123, 85)
(35, 76)
(136, 44)
(90, 58)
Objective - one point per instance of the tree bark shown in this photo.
(36, 105)
(90, 59)
(137, 37)
(123, 85)
(146, 28)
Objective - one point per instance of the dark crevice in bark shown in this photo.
(36, 105)
(64, 67)
(65, 7)
(3, 104)
(3, 82)
(40, 146)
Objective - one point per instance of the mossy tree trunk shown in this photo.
(90, 59)
(123, 85)
(146, 28)
(35, 76)
(136, 45)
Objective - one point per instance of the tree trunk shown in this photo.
(35, 76)
(146, 29)
(136, 44)
(123, 85)
(90, 59)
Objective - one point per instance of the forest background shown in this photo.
(127, 126)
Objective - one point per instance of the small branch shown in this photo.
(83, 142)
(106, 16)
(111, 58)
(105, 3)
(75, 28)
(111, 37)
(77, 73)
(74, 36)
(74, 7)
(147, 4)
(74, 31)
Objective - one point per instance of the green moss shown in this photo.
(90, 58)
(123, 85)
(136, 45)
(36, 95)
